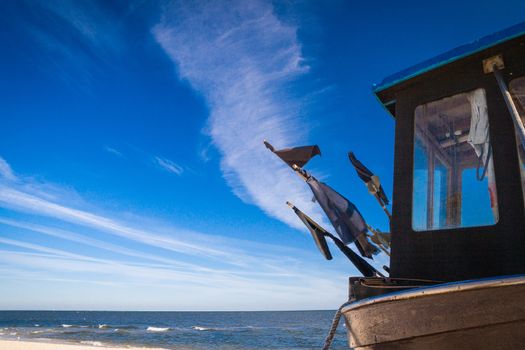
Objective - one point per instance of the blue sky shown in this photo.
(132, 170)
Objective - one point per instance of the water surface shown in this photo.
(175, 330)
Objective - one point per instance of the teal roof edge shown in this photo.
(451, 56)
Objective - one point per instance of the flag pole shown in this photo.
(361, 264)
(373, 189)
(372, 183)
(353, 226)
(381, 203)
(378, 239)
(303, 174)
(352, 256)
(269, 146)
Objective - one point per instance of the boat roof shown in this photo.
(451, 56)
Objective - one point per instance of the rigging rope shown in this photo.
(333, 328)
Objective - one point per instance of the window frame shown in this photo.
(521, 110)
(430, 177)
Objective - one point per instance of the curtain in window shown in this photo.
(479, 139)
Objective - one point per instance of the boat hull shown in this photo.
(483, 314)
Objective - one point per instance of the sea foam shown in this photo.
(92, 343)
(157, 329)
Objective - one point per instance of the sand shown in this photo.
(25, 345)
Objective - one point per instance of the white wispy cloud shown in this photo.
(58, 206)
(169, 165)
(113, 151)
(100, 244)
(92, 41)
(5, 170)
(61, 261)
(190, 292)
(145, 252)
(117, 249)
(21, 201)
(241, 57)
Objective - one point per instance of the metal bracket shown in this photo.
(490, 63)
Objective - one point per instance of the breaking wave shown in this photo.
(157, 329)
(92, 343)
(223, 329)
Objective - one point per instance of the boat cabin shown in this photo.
(458, 203)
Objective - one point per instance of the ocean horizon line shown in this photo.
(203, 311)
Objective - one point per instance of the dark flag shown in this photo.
(371, 181)
(296, 155)
(319, 234)
(344, 216)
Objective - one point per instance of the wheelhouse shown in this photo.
(458, 203)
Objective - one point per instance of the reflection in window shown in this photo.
(454, 183)
(517, 89)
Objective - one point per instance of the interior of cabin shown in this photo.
(454, 184)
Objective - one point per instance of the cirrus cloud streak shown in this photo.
(243, 58)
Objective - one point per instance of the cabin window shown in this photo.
(454, 183)
(517, 89)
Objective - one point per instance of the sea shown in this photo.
(253, 330)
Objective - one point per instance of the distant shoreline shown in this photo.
(27, 345)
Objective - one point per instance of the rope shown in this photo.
(333, 328)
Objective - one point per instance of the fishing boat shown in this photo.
(457, 253)
(456, 276)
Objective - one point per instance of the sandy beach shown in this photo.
(25, 345)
